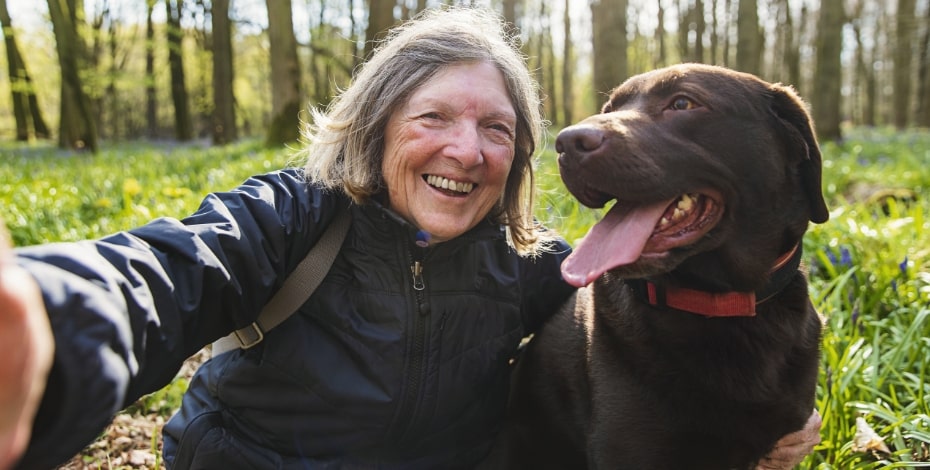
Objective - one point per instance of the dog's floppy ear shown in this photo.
(792, 112)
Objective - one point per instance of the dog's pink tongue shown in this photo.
(616, 240)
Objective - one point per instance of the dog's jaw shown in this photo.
(630, 232)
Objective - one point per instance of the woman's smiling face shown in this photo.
(449, 148)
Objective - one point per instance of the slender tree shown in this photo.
(568, 66)
(749, 37)
(26, 112)
(224, 111)
(922, 118)
(661, 58)
(791, 55)
(865, 73)
(151, 97)
(610, 46)
(782, 40)
(700, 25)
(825, 100)
(684, 30)
(509, 8)
(285, 74)
(183, 124)
(714, 53)
(77, 120)
(727, 25)
(380, 19)
(546, 54)
(904, 39)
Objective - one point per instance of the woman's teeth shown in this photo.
(446, 183)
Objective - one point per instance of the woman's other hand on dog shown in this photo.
(28, 349)
(790, 450)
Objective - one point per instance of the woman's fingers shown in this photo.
(28, 348)
(791, 449)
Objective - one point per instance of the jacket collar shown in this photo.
(720, 304)
(486, 229)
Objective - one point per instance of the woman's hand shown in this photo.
(28, 347)
(791, 449)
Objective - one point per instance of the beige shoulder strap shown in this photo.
(296, 289)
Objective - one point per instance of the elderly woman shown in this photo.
(399, 359)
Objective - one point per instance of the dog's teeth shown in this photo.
(685, 203)
(663, 222)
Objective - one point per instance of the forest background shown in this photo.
(83, 70)
(116, 111)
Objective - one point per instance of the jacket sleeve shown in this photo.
(543, 287)
(128, 309)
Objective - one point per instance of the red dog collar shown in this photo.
(720, 304)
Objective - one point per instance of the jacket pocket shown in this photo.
(207, 444)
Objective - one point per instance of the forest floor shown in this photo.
(133, 440)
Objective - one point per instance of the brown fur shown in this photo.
(614, 383)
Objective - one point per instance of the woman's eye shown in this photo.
(682, 104)
(503, 129)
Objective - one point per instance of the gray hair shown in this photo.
(344, 145)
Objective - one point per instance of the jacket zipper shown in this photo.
(421, 323)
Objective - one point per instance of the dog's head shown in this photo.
(714, 174)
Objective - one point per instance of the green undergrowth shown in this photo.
(869, 265)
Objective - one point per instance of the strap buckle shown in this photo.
(249, 336)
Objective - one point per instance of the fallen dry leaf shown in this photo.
(867, 440)
(127, 442)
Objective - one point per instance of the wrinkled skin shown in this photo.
(456, 130)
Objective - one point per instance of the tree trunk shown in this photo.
(904, 38)
(568, 67)
(285, 74)
(684, 28)
(151, 98)
(828, 76)
(749, 38)
(792, 55)
(610, 46)
(183, 125)
(661, 59)
(224, 111)
(714, 35)
(923, 86)
(509, 8)
(865, 114)
(700, 24)
(29, 120)
(870, 109)
(95, 50)
(380, 19)
(546, 68)
(727, 27)
(77, 123)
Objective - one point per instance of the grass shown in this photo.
(869, 264)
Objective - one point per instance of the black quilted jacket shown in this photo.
(380, 368)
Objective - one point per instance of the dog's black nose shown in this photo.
(579, 140)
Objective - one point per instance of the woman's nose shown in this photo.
(464, 145)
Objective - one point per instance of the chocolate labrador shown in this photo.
(691, 343)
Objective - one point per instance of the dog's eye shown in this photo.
(682, 103)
